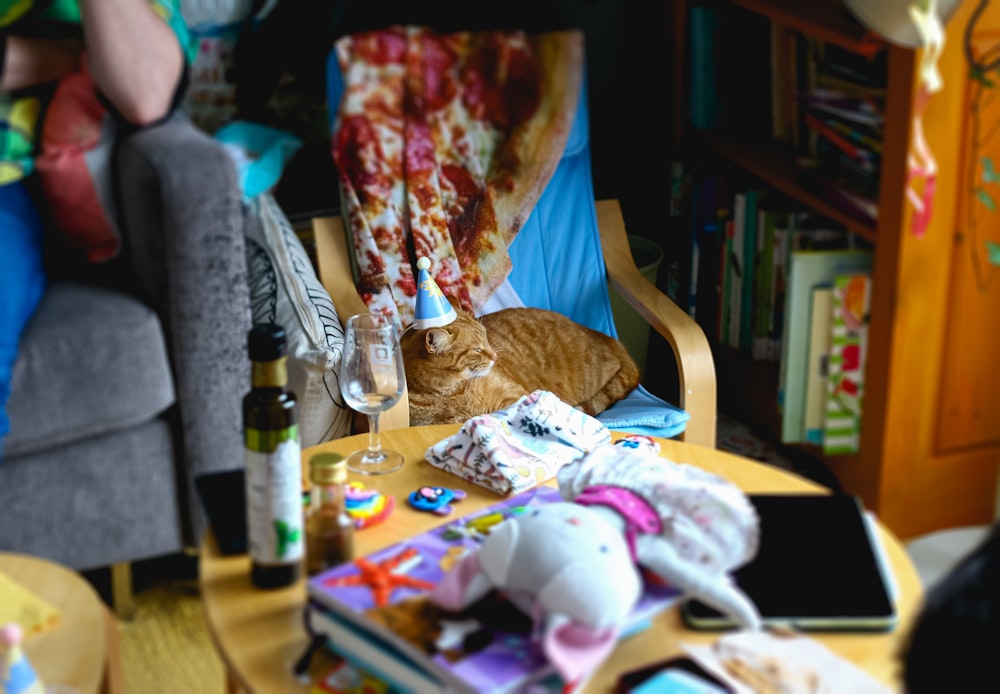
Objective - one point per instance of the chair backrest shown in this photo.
(558, 263)
(556, 256)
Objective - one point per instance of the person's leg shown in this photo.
(22, 280)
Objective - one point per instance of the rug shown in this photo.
(166, 648)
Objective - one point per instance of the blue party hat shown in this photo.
(16, 674)
(433, 309)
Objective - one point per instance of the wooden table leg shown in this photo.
(114, 676)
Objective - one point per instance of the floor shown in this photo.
(935, 554)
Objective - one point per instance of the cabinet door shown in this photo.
(970, 402)
(939, 442)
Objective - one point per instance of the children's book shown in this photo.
(848, 348)
(376, 613)
(807, 269)
(819, 348)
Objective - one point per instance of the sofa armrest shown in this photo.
(695, 364)
(181, 214)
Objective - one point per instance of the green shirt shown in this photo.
(20, 110)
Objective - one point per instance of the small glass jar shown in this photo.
(329, 529)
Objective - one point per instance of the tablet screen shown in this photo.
(817, 568)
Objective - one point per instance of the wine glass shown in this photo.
(372, 380)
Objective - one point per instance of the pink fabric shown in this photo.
(573, 648)
(451, 591)
(639, 516)
(73, 127)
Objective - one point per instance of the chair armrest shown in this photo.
(695, 364)
(337, 277)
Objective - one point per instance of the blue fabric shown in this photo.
(559, 265)
(264, 151)
(22, 280)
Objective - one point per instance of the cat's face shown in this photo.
(460, 347)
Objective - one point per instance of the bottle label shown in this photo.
(274, 496)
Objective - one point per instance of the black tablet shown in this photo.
(223, 496)
(819, 568)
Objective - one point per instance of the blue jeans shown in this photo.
(22, 280)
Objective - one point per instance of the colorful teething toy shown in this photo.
(366, 506)
(435, 499)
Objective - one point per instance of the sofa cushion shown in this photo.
(91, 361)
(284, 289)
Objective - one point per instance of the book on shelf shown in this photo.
(761, 313)
(694, 265)
(819, 348)
(807, 269)
(705, 105)
(376, 613)
(777, 221)
(725, 281)
(706, 230)
(735, 270)
(779, 278)
(751, 260)
(851, 300)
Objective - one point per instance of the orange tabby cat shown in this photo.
(471, 367)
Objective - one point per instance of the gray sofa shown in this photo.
(129, 378)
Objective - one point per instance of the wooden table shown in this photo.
(260, 634)
(80, 653)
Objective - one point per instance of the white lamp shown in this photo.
(893, 20)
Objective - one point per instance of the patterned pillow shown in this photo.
(284, 289)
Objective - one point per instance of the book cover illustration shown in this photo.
(489, 646)
(845, 379)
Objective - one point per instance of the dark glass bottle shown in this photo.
(273, 463)
(329, 529)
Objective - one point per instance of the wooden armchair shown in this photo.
(695, 365)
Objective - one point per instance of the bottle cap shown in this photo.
(328, 468)
(267, 342)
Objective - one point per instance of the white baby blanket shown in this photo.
(520, 447)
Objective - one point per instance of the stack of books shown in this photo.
(840, 106)
(822, 373)
(376, 613)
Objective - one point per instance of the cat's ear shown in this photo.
(437, 340)
(455, 304)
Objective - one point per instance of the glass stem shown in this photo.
(374, 441)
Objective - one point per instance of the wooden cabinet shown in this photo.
(930, 434)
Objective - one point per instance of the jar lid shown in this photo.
(328, 468)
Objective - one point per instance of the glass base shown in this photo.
(384, 463)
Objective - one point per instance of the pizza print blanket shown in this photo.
(444, 143)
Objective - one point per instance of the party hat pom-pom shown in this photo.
(16, 673)
(432, 308)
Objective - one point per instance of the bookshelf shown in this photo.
(777, 168)
(930, 429)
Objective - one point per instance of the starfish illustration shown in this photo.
(381, 577)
